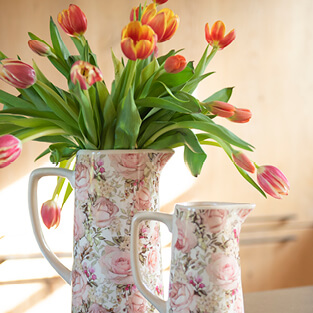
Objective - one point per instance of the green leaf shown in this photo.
(13, 101)
(2, 56)
(109, 122)
(194, 161)
(68, 192)
(127, 124)
(118, 67)
(163, 58)
(221, 95)
(193, 83)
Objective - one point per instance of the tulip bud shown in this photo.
(175, 64)
(272, 181)
(73, 21)
(216, 37)
(220, 108)
(10, 149)
(138, 41)
(17, 73)
(51, 214)
(243, 161)
(39, 47)
(85, 74)
(241, 116)
(159, 1)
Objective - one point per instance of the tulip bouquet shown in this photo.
(150, 104)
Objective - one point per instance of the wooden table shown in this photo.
(290, 300)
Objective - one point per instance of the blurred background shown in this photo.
(270, 64)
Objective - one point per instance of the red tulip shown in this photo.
(51, 214)
(221, 109)
(216, 37)
(85, 74)
(159, 1)
(10, 149)
(138, 41)
(241, 116)
(39, 47)
(272, 181)
(17, 73)
(175, 64)
(73, 21)
(243, 161)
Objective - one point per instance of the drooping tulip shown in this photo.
(73, 21)
(50, 214)
(85, 74)
(220, 108)
(272, 181)
(138, 41)
(241, 160)
(175, 64)
(10, 149)
(17, 73)
(164, 23)
(241, 116)
(216, 37)
(39, 47)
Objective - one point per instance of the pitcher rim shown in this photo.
(124, 151)
(216, 205)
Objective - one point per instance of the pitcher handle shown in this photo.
(159, 303)
(61, 269)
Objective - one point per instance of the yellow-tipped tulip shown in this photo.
(138, 41)
(85, 74)
(216, 37)
(73, 21)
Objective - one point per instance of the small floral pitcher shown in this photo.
(110, 187)
(205, 275)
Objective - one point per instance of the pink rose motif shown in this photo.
(136, 303)
(243, 213)
(142, 199)
(79, 288)
(130, 165)
(186, 238)
(96, 308)
(82, 181)
(163, 159)
(239, 304)
(115, 264)
(155, 238)
(79, 230)
(103, 212)
(214, 220)
(181, 298)
(224, 271)
(153, 260)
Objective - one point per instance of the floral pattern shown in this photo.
(205, 273)
(110, 187)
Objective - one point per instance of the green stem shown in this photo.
(34, 134)
(210, 56)
(130, 77)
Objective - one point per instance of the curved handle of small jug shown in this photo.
(139, 217)
(62, 270)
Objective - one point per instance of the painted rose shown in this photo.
(243, 213)
(82, 181)
(79, 288)
(115, 265)
(142, 199)
(130, 165)
(103, 212)
(214, 220)
(239, 304)
(224, 271)
(96, 308)
(136, 303)
(155, 238)
(181, 298)
(153, 260)
(186, 238)
(79, 229)
(163, 159)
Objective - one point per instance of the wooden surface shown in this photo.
(271, 65)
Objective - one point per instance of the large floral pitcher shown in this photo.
(110, 187)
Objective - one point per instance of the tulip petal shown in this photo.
(158, 24)
(218, 30)
(128, 48)
(228, 39)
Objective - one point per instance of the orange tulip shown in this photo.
(243, 161)
(216, 37)
(164, 23)
(138, 41)
(241, 116)
(17, 73)
(222, 109)
(175, 64)
(85, 74)
(73, 21)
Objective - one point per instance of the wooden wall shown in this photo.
(270, 63)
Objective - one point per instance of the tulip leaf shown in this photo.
(194, 160)
(127, 124)
(221, 95)
(118, 67)
(16, 102)
(193, 83)
(67, 193)
(163, 58)
(109, 121)
(2, 56)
